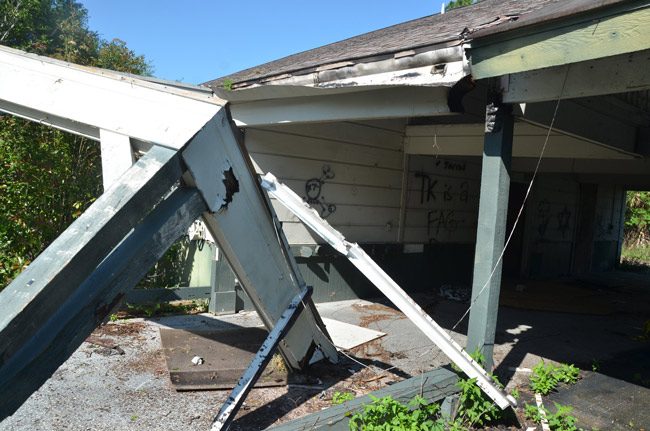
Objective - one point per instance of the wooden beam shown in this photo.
(77, 314)
(467, 140)
(491, 230)
(33, 297)
(84, 100)
(617, 74)
(367, 105)
(432, 385)
(618, 30)
(242, 221)
(117, 156)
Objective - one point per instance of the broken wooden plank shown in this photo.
(433, 386)
(242, 221)
(83, 309)
(38, 292)
(262, 358)
(84, 100)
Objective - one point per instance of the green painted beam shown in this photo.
(614, 31)
(433, 385)
(490, 235)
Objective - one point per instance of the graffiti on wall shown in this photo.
(430, 186)
(314, 192)
(442, 195)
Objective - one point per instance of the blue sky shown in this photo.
(195, 41)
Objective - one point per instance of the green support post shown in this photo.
(491, 230)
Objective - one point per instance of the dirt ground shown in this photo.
(118, 379)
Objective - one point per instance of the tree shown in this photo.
(48, 177)
(637, 219)
(459, 3)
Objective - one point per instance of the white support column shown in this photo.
(117, 156)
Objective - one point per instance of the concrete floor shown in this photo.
(99, 389)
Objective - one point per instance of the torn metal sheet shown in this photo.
(388, 287)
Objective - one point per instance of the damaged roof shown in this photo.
(480, 20)
(434, 30)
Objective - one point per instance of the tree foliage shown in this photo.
(459, 3)
(637, 219)
(48, 177)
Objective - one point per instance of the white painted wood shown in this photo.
(616, 74)
(467, 140)
(266, 142)
(363, 180)
(246, 233)
(83, 99)
(388, 287)
(347, 336)
(377, 134)
(401, 102)
(442, 200)
(302, 169)
(117, 156)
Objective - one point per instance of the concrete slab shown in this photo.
(605, 403)
(98, 389)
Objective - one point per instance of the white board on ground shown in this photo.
(346, 336)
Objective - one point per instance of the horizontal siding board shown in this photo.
(265, 142)
(347, 215)
(295, 168)
(297, 233)
(348, 194)
(344, 132)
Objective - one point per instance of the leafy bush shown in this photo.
(560, 420)
(387, 414)
(637, 219)
(546, 377)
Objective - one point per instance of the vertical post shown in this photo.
(490, 235)
(117, 156)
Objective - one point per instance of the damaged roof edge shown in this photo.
(322, 75)
(444, 66)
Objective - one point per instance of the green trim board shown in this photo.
(622, 29)
(433, 385)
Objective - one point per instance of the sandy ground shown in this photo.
(128, 388)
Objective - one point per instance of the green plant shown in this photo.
(474, 407)
(595, 365)
(227, 84)
(387, 414)
(546, 377)
(113, 317)
(560, 420)
(515, 393)
(341, 397)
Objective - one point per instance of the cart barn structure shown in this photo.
(425, 142)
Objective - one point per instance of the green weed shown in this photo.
(546, 377)
(560, 420)
(387, 414)
(341, 397)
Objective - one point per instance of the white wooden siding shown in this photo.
(442, 200)
(358, 164)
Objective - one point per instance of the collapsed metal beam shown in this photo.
(388, 287)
